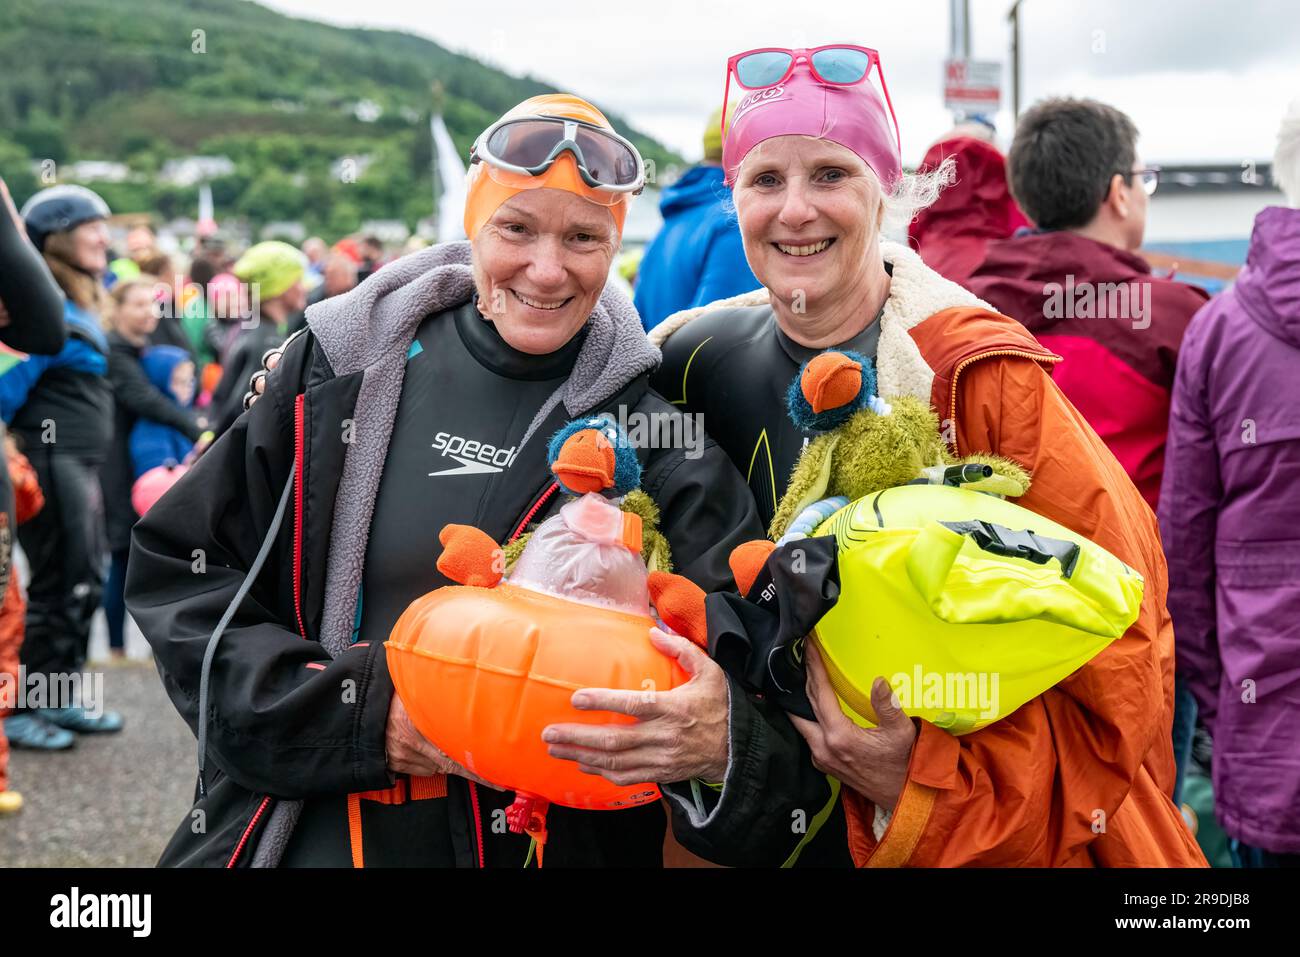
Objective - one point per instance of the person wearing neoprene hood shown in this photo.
(424, 396)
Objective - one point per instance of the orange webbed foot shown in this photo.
(747, 560)
(680, 603)
(470, 556)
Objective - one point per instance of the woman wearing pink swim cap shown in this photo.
(817, 182)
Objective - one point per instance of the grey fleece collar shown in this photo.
(369, 330)
(380, 316)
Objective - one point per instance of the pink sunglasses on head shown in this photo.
(836, 64)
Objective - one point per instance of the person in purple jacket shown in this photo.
(1230, 521)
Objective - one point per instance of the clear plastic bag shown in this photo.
(582, 555)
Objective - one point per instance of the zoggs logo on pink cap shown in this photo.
(758, 98)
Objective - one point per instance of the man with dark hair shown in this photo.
(1078, 283)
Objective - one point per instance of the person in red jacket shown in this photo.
(952, 236)
(1078, 284)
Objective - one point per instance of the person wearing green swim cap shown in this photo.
(272, 274)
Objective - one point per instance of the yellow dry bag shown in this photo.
(969, 605)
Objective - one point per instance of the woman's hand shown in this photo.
(409, 752)
(257, 381)
(872, 761)
(679, 734)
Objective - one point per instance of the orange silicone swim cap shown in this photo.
(488, 187)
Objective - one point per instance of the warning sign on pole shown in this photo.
(972, 86)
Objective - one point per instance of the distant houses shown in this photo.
(192, 170)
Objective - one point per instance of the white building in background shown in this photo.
(191, 170)
(643, 219)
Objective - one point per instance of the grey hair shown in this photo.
(914, 193)
(1286, 158)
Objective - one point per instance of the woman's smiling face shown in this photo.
(809, 210)
(540, 264)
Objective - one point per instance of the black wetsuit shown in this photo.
(448, 460)
(734, 366)
(454, 455)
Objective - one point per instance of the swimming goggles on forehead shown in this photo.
(530, 145)
(837, 64)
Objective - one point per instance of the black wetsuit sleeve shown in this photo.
(773, 802)
(772, 796)
(29, 293)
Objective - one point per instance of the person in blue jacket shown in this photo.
(697, 257)
(171, 371)
(59, 409)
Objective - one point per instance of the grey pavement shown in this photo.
(113, 800)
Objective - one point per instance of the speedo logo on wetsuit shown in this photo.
(474, 457)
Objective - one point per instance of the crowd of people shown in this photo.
(125, 366)
(1153, 421)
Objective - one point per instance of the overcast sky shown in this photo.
(1204, 80)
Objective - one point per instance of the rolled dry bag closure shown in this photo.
(1000, 540)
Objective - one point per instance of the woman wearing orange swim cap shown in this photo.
(422, 398)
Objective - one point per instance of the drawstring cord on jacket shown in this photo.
(211, 651)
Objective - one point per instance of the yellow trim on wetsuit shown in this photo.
(686, 371)
(771, 469)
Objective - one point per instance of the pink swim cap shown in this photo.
(852, 116)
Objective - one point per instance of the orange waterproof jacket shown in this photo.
(1081, 775)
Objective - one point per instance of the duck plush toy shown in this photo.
(904, 562)
(484, 666)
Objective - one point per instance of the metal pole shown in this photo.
(1014, 17)
(436, 99)
(959, 39)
